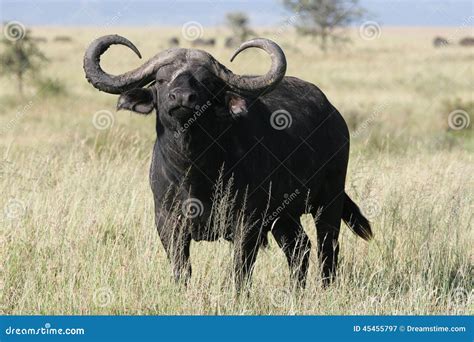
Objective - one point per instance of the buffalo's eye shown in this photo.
(161, 81)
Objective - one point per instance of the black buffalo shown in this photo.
(173, 42)
(203, 42)
(276, 139)
(467, 41)
(230, 42)
(440, 42)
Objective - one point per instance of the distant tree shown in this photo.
(238, 22)
(323, 19)
(19, 57)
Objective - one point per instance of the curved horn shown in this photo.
(116, 84)
(265, 82)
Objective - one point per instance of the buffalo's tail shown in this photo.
(355, 220)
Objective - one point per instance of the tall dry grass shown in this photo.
(77, 230)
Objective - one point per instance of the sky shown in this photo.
(212, 12)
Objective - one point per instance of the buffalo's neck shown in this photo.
(184, 158)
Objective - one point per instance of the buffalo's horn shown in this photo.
(116, 84)
(265, 82)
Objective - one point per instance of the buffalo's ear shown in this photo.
(237, 104)
(139, 100)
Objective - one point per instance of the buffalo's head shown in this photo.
(176, 82)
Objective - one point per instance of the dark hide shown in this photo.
(285, 152)
(307, 159)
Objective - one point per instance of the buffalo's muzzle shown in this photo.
(183, 97)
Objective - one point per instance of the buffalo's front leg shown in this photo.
(245, 253)
(176, 240)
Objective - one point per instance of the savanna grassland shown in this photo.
(77, 230)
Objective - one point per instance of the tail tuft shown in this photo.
(355, 220)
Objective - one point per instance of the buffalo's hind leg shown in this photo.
(292, 239)
(328, 222)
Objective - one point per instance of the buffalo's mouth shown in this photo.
(181, 112)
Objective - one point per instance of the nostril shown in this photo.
(192, 97)
(172, 96)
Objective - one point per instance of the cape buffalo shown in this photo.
(440, 42)
(276, 138)
(63, 39)
(230, 42)
(173, 42)
(203, 42)
(467, 41)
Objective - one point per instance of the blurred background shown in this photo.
(212, 12)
